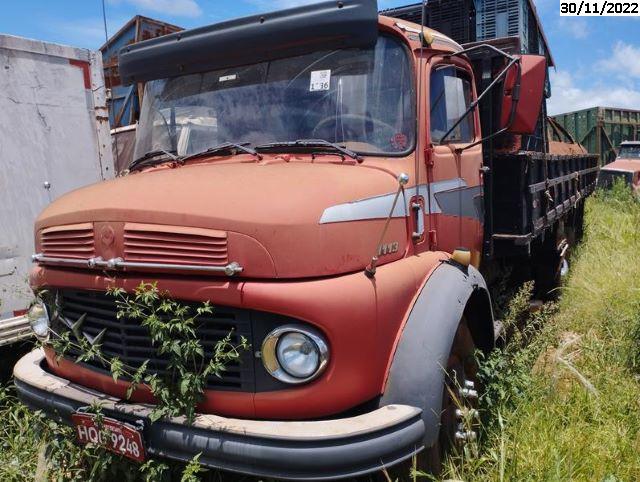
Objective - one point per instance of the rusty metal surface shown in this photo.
(124, 106)
(561, 142)
(601, 130)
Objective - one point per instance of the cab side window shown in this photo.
(450, 97)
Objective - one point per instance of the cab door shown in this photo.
(454, 163)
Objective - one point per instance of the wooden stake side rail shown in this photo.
(532, 191)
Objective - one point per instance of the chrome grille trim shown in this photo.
(230, 269)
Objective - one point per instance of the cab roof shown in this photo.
(626, 165)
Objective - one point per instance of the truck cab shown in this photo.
(316, 172)
(626, 167)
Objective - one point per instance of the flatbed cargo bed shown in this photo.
(531, 191)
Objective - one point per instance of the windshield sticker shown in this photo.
(399, 141)
(227, 78)
(320, 80)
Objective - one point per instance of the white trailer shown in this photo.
(54, 137)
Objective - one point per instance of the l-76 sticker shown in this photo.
(320, 80)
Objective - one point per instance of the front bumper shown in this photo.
(313, 450)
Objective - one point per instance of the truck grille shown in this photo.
(131, 343)
(146, 243)
(73, 241)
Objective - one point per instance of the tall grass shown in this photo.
(18, 439)
(563, 397)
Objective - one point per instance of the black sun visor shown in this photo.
(327, 25)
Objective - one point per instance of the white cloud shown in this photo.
(577, 27)
(623, 61)
(567, 96)
(178, 8)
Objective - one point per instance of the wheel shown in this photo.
(459, 402)
(550, 260)
(459, 406)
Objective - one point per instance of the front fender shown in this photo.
(416, 374)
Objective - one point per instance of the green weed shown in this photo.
(562, 397)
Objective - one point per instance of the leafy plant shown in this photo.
(173, 330)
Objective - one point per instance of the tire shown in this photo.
(461, 367)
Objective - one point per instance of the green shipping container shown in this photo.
(601, 129)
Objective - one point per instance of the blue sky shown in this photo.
(597, 58)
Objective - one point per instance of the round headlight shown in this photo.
(39, 320)
(294, 354)
(298, 355)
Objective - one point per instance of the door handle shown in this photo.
(417, 217)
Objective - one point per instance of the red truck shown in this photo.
(332, 181)
(626, 167)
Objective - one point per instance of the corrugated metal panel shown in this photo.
(466, 21)
(500, 18)
(512, 18)
(601, 129)
(124, 106)
(454, 18)
(53, 105)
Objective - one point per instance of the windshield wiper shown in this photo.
(310, 143)
(149, 159)
(230, 147)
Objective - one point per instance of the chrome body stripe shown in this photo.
(451, 197)
(465, 202)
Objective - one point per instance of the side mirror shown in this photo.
(522, 95)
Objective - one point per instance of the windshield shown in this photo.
(629, 152)
(359, 98)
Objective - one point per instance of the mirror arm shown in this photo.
(512, 114)
(513, 61)
(481, 47)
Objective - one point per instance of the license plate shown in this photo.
(118, 437)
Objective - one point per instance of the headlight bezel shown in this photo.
(34, 320)
(271, 362)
